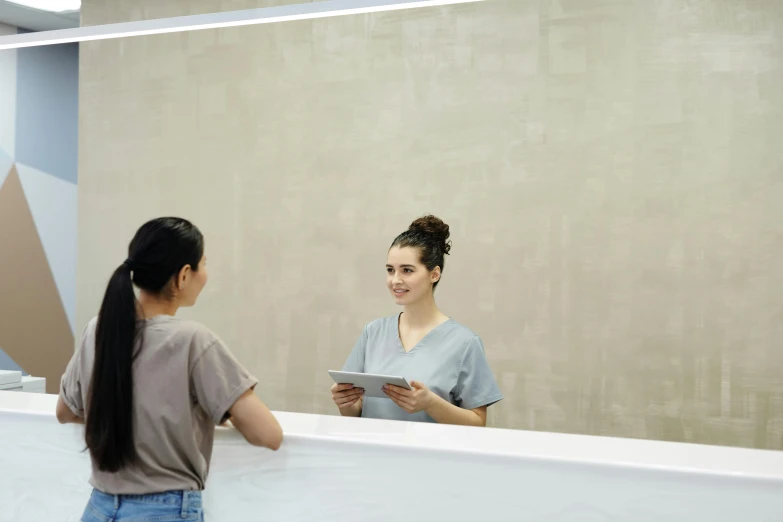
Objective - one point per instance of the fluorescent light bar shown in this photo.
(55, 6)
(266, 15)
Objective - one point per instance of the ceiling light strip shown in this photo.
(266, 15)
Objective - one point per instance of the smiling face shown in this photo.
(407, 278)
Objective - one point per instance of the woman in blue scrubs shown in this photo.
(443, 360)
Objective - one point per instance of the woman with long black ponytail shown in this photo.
(150, 388)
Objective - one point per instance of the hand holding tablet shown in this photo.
(372, 384)
(346, 396)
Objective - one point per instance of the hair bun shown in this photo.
(434, 227)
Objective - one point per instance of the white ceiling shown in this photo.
(35, 19)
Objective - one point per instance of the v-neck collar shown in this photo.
(420, 343)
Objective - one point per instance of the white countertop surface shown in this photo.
(334, 469)
(516, 444)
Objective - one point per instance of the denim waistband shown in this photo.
(185, 499)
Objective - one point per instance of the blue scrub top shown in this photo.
(450, 361)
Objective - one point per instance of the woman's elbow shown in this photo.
(63, 413)
(275, 444)
(271, 441)
(275, 439)
(255, 422)
(481, 417)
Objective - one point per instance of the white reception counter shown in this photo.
(337, 469)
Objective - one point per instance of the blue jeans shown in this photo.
(183, 506)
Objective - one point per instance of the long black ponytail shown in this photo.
(156, 254)
(109, 426)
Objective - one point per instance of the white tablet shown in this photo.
(370, 382)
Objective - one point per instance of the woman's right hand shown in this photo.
(345, 395)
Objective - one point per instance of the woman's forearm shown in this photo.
(354, 410)
(446, 413)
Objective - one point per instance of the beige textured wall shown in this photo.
(612, 172)
(96, 12)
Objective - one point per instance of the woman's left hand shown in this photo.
(412, 401)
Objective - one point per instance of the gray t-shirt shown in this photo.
(184, 382)
(450, 361)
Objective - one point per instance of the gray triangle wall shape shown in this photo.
(6, 363)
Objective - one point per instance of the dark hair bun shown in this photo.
(435, 228)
